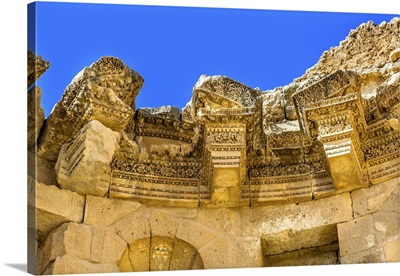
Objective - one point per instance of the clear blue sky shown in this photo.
(170, 47)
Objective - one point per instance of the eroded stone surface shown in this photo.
(106, 211)
(84, 164)
(69, 239)
(280, 177)
(36, 67)
(104, 91)
(35, 115)
(51, 206)
(367, 201)
(72, 265)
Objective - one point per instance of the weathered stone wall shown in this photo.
(357, 227)
(306, 174)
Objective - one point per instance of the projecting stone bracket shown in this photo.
(346, 171)
(226, 155)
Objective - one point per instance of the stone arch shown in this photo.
(160, 253)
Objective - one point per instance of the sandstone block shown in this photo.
(135, 226)
(223, 220)
(106, 211)
(35, 115)
(49, 207)
(84, 164)
(356, 235)
(312, 256)
(104, 91)
(194, 233)
(247, 252)
(289, 240)
(371, 255)
(369, 200)
(162, 224)
(69, 239)
(218, 253)
(391, 250)
(305, 215)
(73, 265)
(107, 246)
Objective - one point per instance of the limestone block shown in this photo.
(391, 250)
(162, 224)
(371, 255)
(194, 233)
(49, 207)
(369, 200)
(386, 226)
(247, 252)
(106, 211)
(106, 245)
(104, 91)
(356, 235)
(69, 239)
(312, 256)
(41, 169)
(218, 253)
(223, 220)
(289, 240)
(135, 226)
(305, 215)
(73, 265)
(84, 164)
(35, 114)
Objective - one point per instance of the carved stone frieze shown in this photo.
(104, 91)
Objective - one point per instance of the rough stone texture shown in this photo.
(83, 165)
(162, 224)
(135, 226)
(104, 91)
(69, 239)
(312, 256)
(218, 253)
(288, 240)
(247, 252)
(36, 67)
(369, 45)
(305, 215)
(50, 207)
(305, 174)
(35, 115)
(72, 265)
(107, 246)
(194, 233)
(41, 169)
(367, 201)
(106, 211)
(370, 237)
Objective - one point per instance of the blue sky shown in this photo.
(170, 47)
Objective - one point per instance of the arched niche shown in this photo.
(160, 253)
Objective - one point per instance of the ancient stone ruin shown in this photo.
(305, 174)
